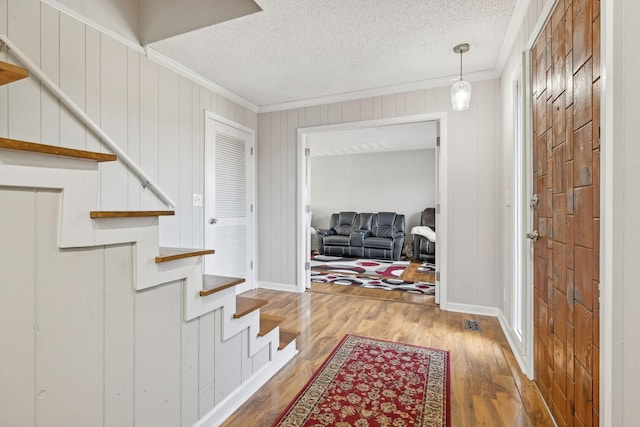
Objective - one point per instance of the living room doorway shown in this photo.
(306, 138)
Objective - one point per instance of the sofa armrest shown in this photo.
(357, 237)
(398, 241)
(326, 232)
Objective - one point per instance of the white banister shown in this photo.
(146, 180)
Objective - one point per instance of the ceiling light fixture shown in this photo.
(461, 90)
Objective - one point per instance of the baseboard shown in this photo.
(481, 310)
(504, 324)
(277, 286)
(231, 403)
(513, 343)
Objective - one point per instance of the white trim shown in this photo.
(544, 16)
(302, 257)
(519, 13)
(610, 379)
(514, 343)
(480, 310)
(133, 44)
(240, 395)
(251, 273)
(155, 56)
(277, 287)
(180, 69)
(528, 290)
(386, 90)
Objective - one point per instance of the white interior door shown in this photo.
(307, 213)
(438, 229)
(229, 200)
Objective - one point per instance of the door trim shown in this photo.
(251, 275)
(303, 256)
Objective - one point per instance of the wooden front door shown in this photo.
(566, 173)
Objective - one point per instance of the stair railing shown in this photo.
(145, 180)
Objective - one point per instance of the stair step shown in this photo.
(245, 305)
(170, 254)
(268, 322)
(14, 144)
(212, 284)
(129, 214)
(10, 73)
(286, 337)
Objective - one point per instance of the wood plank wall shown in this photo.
(152, 113)
(82, 348)
(566, 65)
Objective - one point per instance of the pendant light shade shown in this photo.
(461, 90)
(460, 95)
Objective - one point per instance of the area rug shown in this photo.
(366, 273)
(374, 267)
(370, 382)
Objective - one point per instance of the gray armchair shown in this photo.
(423, 248)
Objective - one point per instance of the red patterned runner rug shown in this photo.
(369, 382)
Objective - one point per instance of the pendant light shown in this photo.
(461, 90)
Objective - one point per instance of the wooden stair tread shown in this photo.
(170, 254)
(286, 337)
(129, 214)
(212, 284)
(268, 322)
(10, 73)
(14, 144)
(245, 305)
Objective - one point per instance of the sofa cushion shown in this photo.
(345, 223)
(383, 225)
(378, 242)
(337, 240)
(365, 221)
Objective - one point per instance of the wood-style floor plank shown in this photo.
(487, 387)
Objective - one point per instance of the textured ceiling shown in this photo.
(400, 137)
(300, 49)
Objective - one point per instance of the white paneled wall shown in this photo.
(152, 113)
(82, 347)
(474, 183)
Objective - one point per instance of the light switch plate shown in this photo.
(197, 200)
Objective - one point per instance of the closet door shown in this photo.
(229, 201)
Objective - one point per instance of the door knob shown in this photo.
(533, 236)
(213, 220)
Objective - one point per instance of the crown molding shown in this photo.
(155, 56)
(519, 13)
(169, 63)
(386, 90)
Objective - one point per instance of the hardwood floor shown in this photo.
(487, 388)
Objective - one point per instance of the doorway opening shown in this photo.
(304, 213)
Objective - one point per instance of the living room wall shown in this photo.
(473, 176)
(404, 183)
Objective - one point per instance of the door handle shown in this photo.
(533, 235)
(213, 220)
(534, 201)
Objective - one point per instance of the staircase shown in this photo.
(239, 326)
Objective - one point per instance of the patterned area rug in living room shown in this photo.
(369, 382)
(368, 273)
